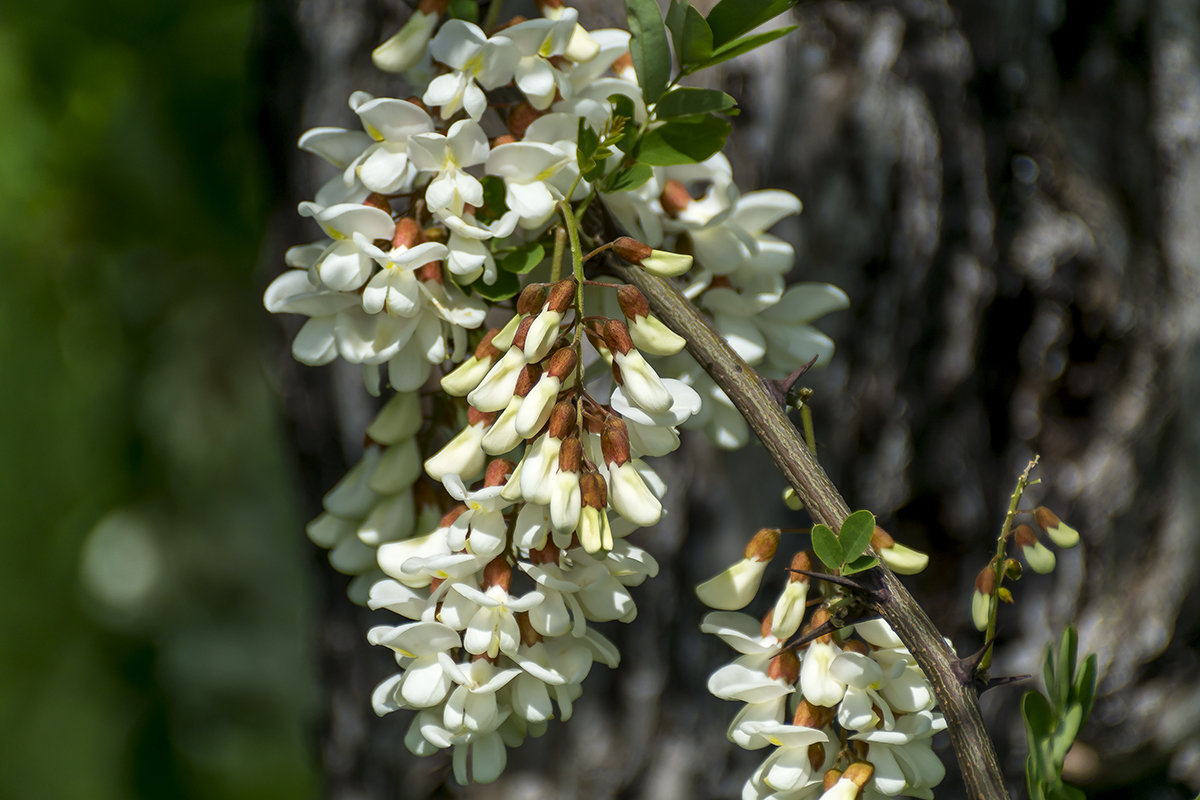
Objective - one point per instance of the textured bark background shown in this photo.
(1009, 191)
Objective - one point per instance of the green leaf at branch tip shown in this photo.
(523, 259)
(627, 179)
(855, 535)
(744, 45)
(622, 108)
(685, 101)
(827, 547)
(684, 140)
(729, 19)
(860, 564)
(696, 45)
(648, 48)
(507, 285)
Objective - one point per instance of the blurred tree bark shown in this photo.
(1009, 191)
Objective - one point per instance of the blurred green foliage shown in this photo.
(152, 585)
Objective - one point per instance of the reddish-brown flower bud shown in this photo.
(816, 756)
(831, 778)
(674, 198)
(881, 539)
(522, 332)
(529, 636)
(859, 772)
(527, 379)
(818, 618)
(631, 249)
(810, 716)
(408, 233)
(614, 442)
(1024, 536)
(570, 455)
(485, 349)
(985, 581)
(592, 489)
(802, 560)
(562, 363)
(432, 7)
(531, 298)
(498, 572)
(855, 646)
(377, 200)
(768, 622)
(623, 62)
(451, 515)
(616, 336)
(521, 117)
(504, 138)
(763, 545)
(562, 420)
(547, 554)
(430, 272)
(785, 666)
(498, 472)
(633, 302)
(560, 295)
(476, 417)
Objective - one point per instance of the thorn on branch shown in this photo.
(869, 594)
(781, 390)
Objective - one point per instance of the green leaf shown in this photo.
(1048, 673)
(827, 547)
(494, 205)
(729, 19)
(1065, 668)
(684, 101)
(686, 140)
(523, 259)
(1069, 724)
(648, 47)
(507, 284)
(696, 42)
(627, 178)
(856, 532)
(860, 564)
(676, 14)
(744, 45)
(1085, 685)
(1039, 717)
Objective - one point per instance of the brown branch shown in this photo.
(957, 699)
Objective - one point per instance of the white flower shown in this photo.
(491, 624)
(473, 57)
(452, 188)
(424, 681)
(538, 40)
(385, 166)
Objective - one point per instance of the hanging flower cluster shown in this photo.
(466, 234)
(846, 714)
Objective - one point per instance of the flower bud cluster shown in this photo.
(1040, 559)
(848, 714)
(534, 448)
(381, 499)
(502, 592)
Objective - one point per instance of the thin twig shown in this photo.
(958, 701)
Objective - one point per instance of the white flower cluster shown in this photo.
(494, 515)
(846, 717)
